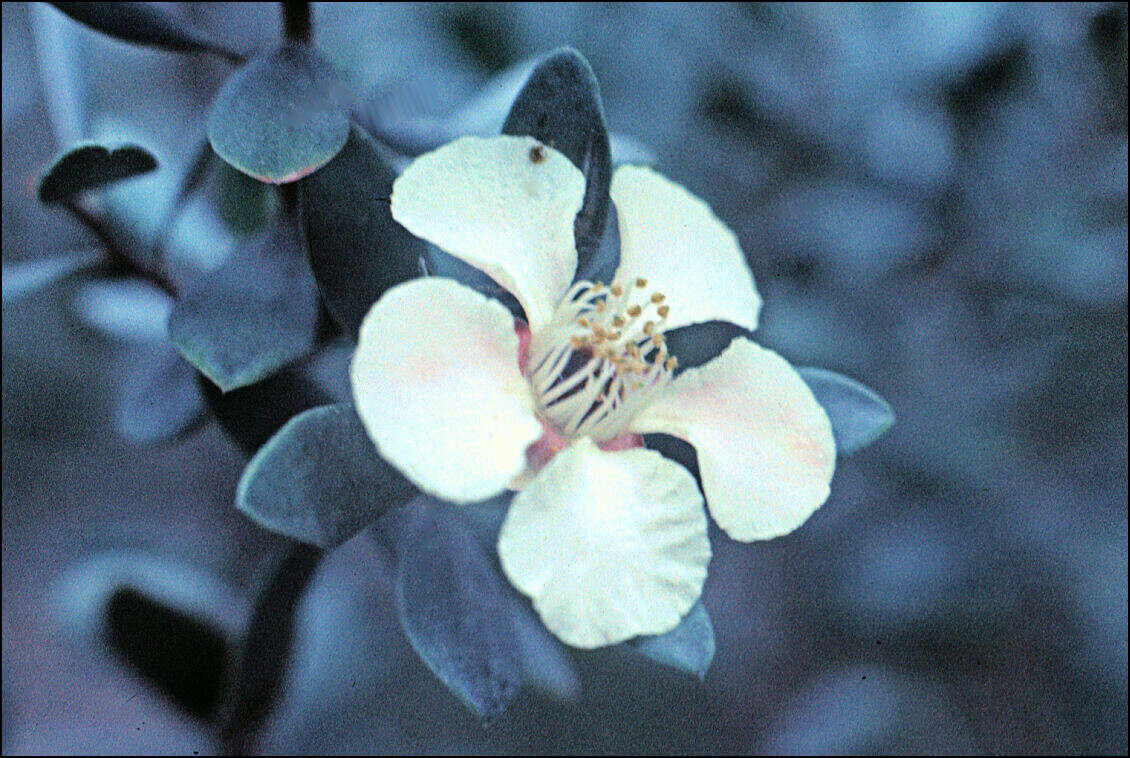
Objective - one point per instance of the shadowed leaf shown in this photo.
(356, 249)
(144, 24)
(261, 660)
(89, 166)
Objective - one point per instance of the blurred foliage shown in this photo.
(932, 198)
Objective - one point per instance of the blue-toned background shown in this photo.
(933, 200)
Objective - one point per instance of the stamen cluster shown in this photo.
(601, 358)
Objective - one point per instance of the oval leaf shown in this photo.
(144, 24)
(320, 480)
(254, 314)
(357, 250)
(88, 166)
(858, 414)
(452, 605)
(688, 647)
(281, 116)
(160, 398)
(560, 106)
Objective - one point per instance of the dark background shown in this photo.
(933, 200)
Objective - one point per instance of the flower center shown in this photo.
(601, 359)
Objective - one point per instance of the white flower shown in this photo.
(607, 538)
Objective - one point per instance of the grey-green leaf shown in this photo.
(453, 607)
(560, 105)
(281, 116)
(89, 166)
(858, 414)
(144, 24)
(357, 250)
(688, 647)
(255, 314)
(319, 479)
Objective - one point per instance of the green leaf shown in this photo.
(357, 250)
(281, 116)
(320, 480)
(160, 398)
(452, 604)
(688, 647)
(858, 414)
(145, 24)
(560, 106)
(89, 166)
(255, 314)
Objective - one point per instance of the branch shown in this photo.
(296, 21)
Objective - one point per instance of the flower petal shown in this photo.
(437, 386)
(671, 238)
(607, 545)
(506, 206)
(765, 447)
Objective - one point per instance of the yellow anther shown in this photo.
(583, 321)
(616, 290)
(600, 307)
(663, 310)
(618, 321)
(634, 311)
(598, 332)
(641, 283)
(648, 327)
(657, 297)
(672, 362)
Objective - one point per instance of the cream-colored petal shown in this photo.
(673, 240)
(437, 386)
(607, 545)
(506, 206)
(765, 448)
